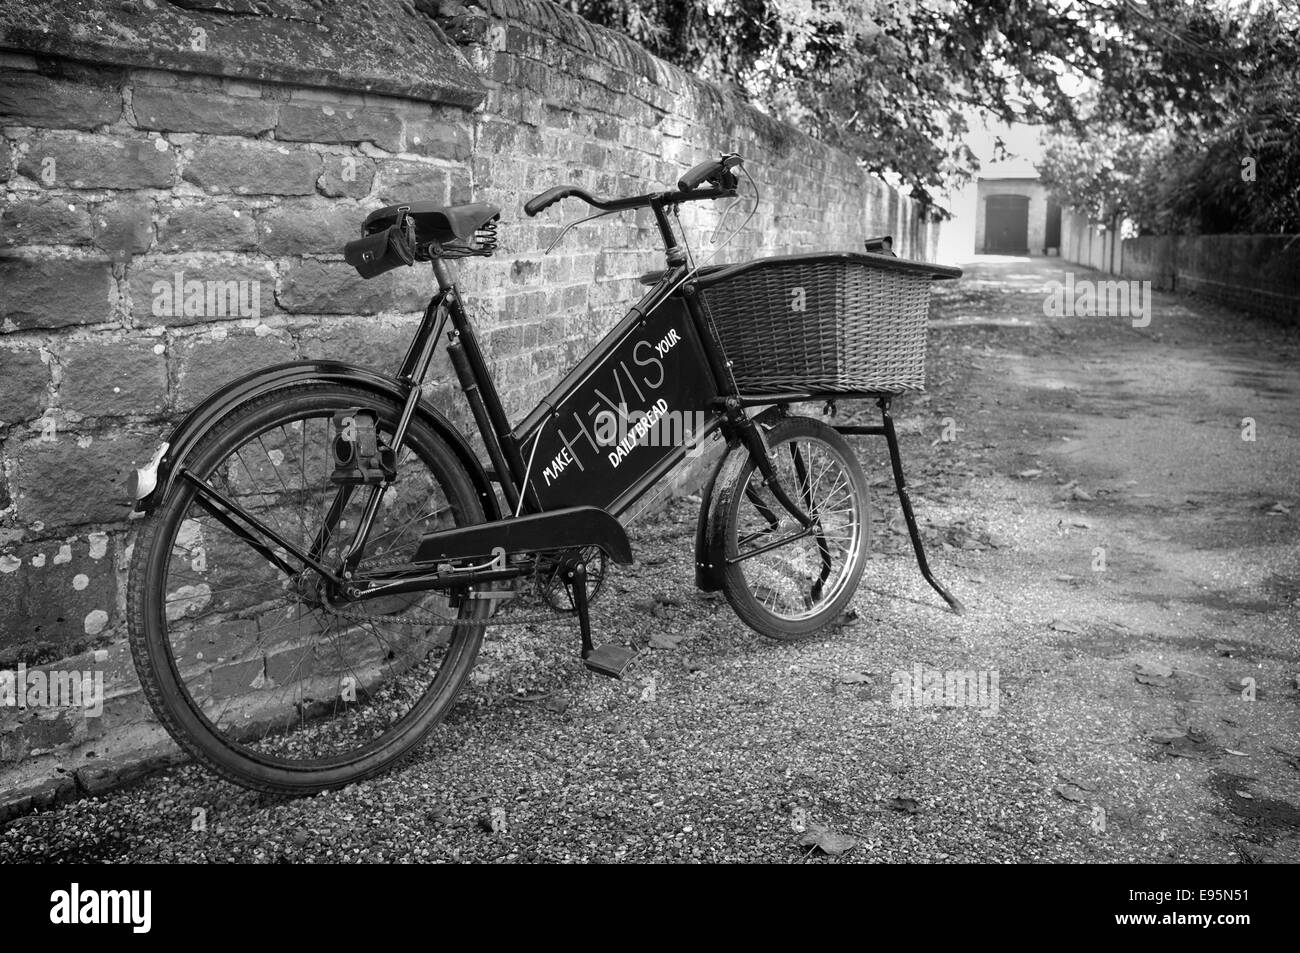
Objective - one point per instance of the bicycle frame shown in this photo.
(701, 383)
(698, 383)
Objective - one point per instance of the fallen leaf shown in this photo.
(1154, 670)
(1071, 792)
(1155, 681)
(1246, 794)
(665, 640)
(1166, 736)
(1239, 754)
(538, 697)
(1192, 745)
(828, 841)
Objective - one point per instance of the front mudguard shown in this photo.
(710, 557)
(149, 485)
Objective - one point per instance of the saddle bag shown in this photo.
(383, 250)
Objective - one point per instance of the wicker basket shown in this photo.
(823, 324)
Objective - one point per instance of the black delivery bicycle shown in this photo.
(323, 548)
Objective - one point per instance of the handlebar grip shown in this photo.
(548, 198)
(709, 169)
(700, 173)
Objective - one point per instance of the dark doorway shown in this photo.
(1053, 237)
(1006, 225)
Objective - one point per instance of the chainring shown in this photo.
(549, 578)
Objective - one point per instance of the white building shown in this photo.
(1014, 215)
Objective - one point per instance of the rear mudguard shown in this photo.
(710, 559)
(149, 485)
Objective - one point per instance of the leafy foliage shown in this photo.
(1196, 123)
(1191, 85)
(888, 80)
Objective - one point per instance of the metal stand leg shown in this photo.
(887, 431)
(896, 461)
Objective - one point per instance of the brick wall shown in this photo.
(154, 155)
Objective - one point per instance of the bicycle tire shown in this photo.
(178, 701)
(739, 498)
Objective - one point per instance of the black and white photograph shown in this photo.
(668, 432)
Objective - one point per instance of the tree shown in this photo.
(888, 80)
(1196, 120)
(892, 81)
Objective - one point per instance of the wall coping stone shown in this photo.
(387, 47)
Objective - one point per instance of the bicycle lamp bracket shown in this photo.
(359, 456)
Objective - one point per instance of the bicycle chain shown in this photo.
(419, 616)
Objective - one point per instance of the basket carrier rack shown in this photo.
(830, 327)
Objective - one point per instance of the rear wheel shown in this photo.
(257, 671)
(794, 589)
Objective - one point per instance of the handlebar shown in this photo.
(717, 172)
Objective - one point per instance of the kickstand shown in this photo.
(905, 501)
(886, 429)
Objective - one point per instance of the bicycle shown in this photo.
(321, 548)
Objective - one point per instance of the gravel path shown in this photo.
(1120, 732)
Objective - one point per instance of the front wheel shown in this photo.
(785, 582)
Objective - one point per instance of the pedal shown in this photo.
(611, 660)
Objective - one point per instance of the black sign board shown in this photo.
(624, 416)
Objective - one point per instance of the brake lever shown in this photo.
(574, 224)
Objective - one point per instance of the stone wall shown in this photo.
(179, 179)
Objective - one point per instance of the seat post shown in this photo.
(443, 272)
